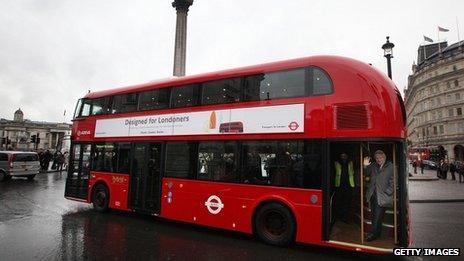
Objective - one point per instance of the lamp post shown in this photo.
(388, 53)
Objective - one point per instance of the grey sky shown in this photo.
(53, 51)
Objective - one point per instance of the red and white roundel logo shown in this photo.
(293, 125)
(214, 204)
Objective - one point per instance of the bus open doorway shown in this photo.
(356, 182)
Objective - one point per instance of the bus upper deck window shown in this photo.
(86, 108)
(100, 106)
(275, 85)
(77, 110)
(320, 81)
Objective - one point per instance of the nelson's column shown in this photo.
(182, 7)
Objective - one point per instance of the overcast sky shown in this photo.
(53, 51)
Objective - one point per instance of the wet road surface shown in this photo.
(37, 222)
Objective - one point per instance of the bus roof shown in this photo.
(323, 61)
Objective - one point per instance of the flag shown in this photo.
(441, 29)
(427, 39)
(64, 113)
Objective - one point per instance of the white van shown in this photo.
(18, 164)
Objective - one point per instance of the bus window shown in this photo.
(180, 159)
(284, 84)
(87, 104)
(154, 99)
(216, 161)
(221, 91)
(100, 106)
(77, 110)
(320, 82)
(184, 96)
(124, 103)
(287, 164)
(111, 157)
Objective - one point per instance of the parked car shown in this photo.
(428, 164)
(18, 164)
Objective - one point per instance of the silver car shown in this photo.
(18, 164)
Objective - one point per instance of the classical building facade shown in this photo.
(16, 134)
(434, 99)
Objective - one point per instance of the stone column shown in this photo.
(180, 47)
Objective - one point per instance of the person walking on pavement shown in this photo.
(414, 165)
(452, 169)
(380, 190)
(344, 185)
(460, 171)
(46, 162)
(439, 172)
(421, 165)
(443, 169)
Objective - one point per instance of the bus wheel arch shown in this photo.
(100, 196)
(274, 222)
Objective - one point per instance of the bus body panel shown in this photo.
(187, 200)
(118, 187)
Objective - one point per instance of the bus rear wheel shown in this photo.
(100, 198)
(274, 224)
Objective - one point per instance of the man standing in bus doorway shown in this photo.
(380, 190)
(344, 185)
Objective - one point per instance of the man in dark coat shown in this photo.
(46, 161)
(452, 169)
(380, 190)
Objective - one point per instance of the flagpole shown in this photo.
(438, 38)
(457, 27)
(425, 56)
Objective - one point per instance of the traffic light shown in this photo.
(33, 139)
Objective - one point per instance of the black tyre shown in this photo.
(274, 224)
(31, 177)
(100, 198)
(2, 176)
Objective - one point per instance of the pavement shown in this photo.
(427, 188)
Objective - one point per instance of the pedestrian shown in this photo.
(66, 160)
(60, 162)
(344, 186)
(421, 164)
(452, 169)
(460, 171)
(380, 190)
(46, 162)
(41, 156)
(414, 165)
(443, 169)
(439, 173)
(56, 157)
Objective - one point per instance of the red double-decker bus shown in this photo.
(249, 149)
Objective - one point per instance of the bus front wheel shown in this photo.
(100, 198)
(274, 224)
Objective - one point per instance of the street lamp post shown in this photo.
(388, 53)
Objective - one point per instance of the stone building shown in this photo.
(434, 99)
(16, 134)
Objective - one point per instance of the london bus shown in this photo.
(250, 150)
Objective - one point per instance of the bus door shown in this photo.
(78, 171)
(351, 216)
(145, 177)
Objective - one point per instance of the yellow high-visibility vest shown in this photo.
(338, 173)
